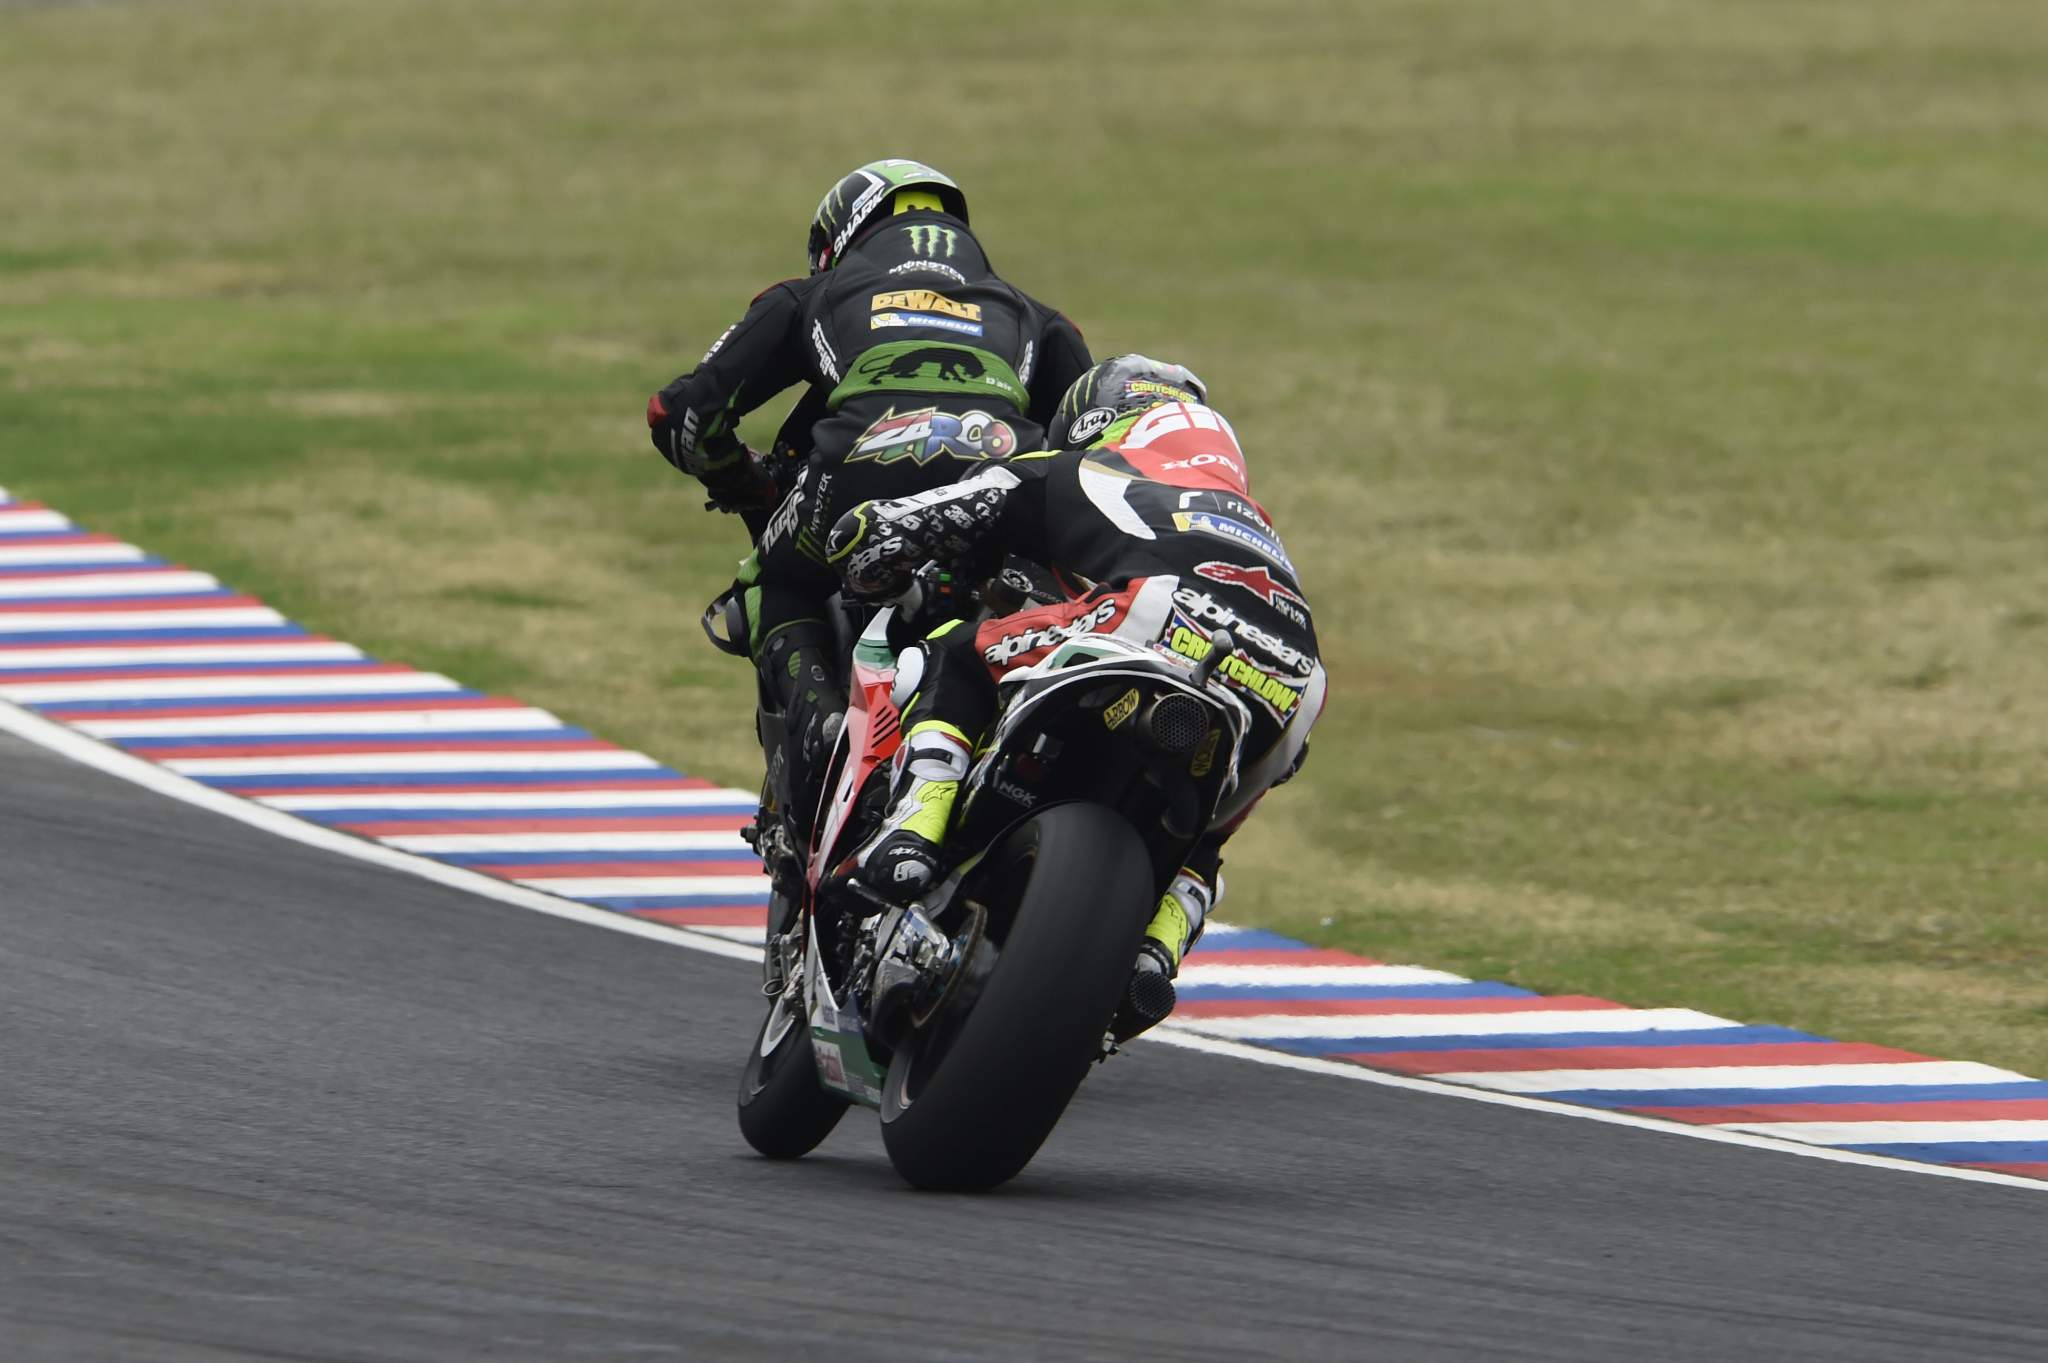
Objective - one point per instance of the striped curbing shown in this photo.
(166, 664)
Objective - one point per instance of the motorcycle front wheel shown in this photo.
(784, 1112)
(972, 1095)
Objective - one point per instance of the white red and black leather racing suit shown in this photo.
(1156, 531)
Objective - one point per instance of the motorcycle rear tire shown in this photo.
(990, 1086)
(784, 1113)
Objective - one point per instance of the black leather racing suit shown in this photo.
(921, 363)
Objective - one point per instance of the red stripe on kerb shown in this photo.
(645, 823)
(736, 917)
(1280, 956)
(1633, 1057)
(167, 604)
(1945, 1110)
(2023, 1169)
(1337, 1007)
(566, 870)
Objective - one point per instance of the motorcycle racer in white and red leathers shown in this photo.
(1152, 525)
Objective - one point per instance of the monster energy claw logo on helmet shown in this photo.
(851, 203)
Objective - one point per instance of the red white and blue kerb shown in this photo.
(167, 664)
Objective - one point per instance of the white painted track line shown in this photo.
(57, 738)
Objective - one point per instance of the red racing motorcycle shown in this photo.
(968, 1019)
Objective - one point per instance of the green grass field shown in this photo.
(1652, 393)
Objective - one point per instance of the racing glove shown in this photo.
(878, 546)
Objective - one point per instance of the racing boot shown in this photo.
(1149, 996)
(796, 665)
(902, 860)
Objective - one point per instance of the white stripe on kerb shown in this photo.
(326, 722)
(1734, 1077)
(1896, 1133)
(284, 651)
(621, 887)
(261, 685)
(1275, 975)
(656, 797)
(30, 555)
(1463, 1024)
(443, 844)
(246, 617)
(23, 522)
(108, 584)
(355, 764)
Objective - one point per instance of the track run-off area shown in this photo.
(267, 1099)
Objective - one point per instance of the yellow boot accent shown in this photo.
(1170, 928)
(934, 800)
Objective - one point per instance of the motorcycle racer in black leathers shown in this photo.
(1154, 524)
(920, 362)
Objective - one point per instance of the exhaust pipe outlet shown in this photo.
(1175, 723)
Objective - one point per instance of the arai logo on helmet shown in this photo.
(1088, 425)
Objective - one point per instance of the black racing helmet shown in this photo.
(1117, 387)
(867, 192)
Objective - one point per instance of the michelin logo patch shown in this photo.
(1223, 527)
(923, 319)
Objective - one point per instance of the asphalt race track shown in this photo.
(262, 1102)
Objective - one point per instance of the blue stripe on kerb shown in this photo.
(1251, 939)
(1960, 1152)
